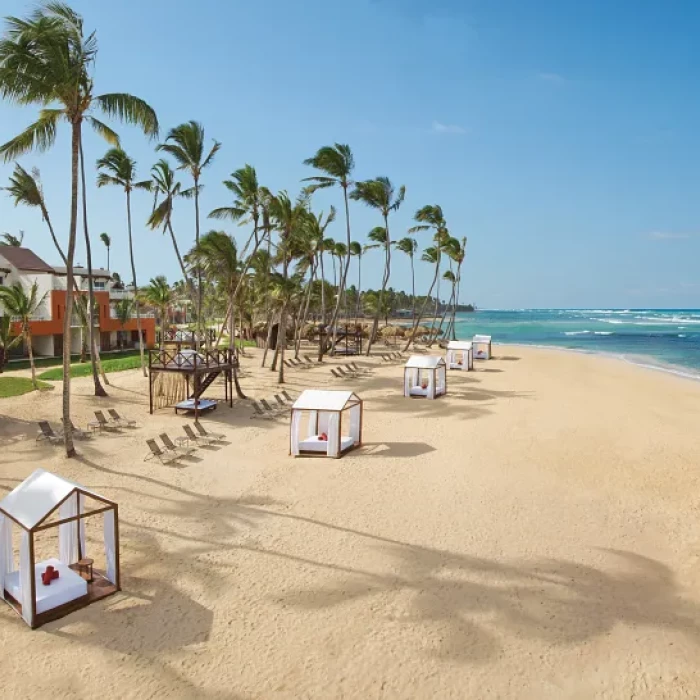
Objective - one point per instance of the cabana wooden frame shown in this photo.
(100, 587)
(352, 401)
(432, 365)
(200, 369)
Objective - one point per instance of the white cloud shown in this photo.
(440, 128)
(553, 78)
(667, 236)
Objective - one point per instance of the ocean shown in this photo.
(665, 339)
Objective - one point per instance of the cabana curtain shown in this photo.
(431, 384)
(313, 423)
(333, 434)
(110, 546)
(26, 572)
(294, 434)
(83, 545)
(67, 535)
(355, 420)
(6, 558)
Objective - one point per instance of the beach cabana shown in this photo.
(425, 376)
(482, 347)
(460, 355)
(325, 433)
(31, 589)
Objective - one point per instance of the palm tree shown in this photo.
(185, 143)
(10, 239)
(380, 194)
(216, 256)
(340, 251)
(246, 204)
(409, 246)
(45, 60)
(429, 218)
(7, 340)
(124, 309)
(118, 169)
(23, 305)
(317, 228)
(159, 295)
(457, 253)
(25, 188)
(338, 163)
(105, 238)
(357, 252)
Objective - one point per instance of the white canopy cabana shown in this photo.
(325, 411)
(29, 506)
(425, 376)
(482, 347)
(460, 355)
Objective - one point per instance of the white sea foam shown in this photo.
(576, 332)
(603, 332)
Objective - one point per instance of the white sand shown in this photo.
(534, 534)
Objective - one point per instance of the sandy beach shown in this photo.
(533, 534)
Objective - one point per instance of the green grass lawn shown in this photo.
(57, 361)
(16, 386)
(117, 364)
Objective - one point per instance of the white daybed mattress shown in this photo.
(418, 391)
(68, 586)
(313, 444)
(456, 365)
(188, 405)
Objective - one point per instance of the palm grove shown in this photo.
(288, 271)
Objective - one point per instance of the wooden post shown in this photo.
(77, 526)
(117, 583)
(362, 418)
(32, 578)
(340, 421)
(150, 384)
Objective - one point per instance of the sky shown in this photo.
(560, 137)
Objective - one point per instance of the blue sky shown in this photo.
(560, 137)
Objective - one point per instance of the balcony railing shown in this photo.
(144, 314)
(120, 293)
(40, 315)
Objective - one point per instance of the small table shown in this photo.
(85, 569)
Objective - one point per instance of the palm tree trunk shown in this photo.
(133, 282)
(422, 310)
(183, 269)
(444, 316)
(304, 315)
(28, 338)
(323, 290)
(94, 350)
(359, 286)
(200, 289)
(281, 342)
(334, 317)
(413, 292)
(385, 280)
(108, 257)
(75, 157)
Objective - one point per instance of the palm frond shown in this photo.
(130, 109)
(109, 135)
(38, 136)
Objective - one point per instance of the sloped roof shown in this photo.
(38, 495)
(322, 400)
(24, 259)
(424, 361)
(83, 271)
(459, 345)
(482, 338)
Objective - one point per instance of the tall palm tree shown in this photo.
(159, 295)
(46, 59)
(409, 246)
(246, 204)
(429, 218)
(380, 194)
(25, 188)
(317, 227)
(357, 251)
(118, 169)
(457, 253)
(124, 309)
(12, 240)
(217, 256)
(340, 251)
(166, 188)
(106, 239)
(7, 340)
(337, 162)
(23, 305)
(185, 143)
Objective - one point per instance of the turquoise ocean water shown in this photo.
(667, 339)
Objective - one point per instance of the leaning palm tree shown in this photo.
(356, 251)
(380, 194)
(25, 188)
(12, 240)
(106, 239)
(118, 169)
(46, 60)
(23, 305)
(337, 162)
(185, 143)
(340, 251)
(409, 246)
(159, 295)
(246, 204)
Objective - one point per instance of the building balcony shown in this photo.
(144, 314)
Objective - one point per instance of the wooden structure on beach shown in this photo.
(348, 338)
(199, 371)
(31, 590)
(189, 339)
(425, 376)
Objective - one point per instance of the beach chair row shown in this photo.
(392, 356)
(266, 410)
(186, 444)
(114, 423)
(294, 363)
(349, 371)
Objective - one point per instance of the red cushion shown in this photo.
(46, 578)
(323, 436)
(54, 574)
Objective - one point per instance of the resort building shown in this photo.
(24, 266)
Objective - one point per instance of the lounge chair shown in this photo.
(286, 395)
(165, 456)
(335, 374)
(310, 361)
(259, 412)
(124, 422)
(101, 423)
(204, 439)
(78, 432)
(343, 373)
(354, 371)
(47, 433)
(267, 407)
(287, 363)
(170, 445)
(359, 370)
(280, 402)
(202, 431)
